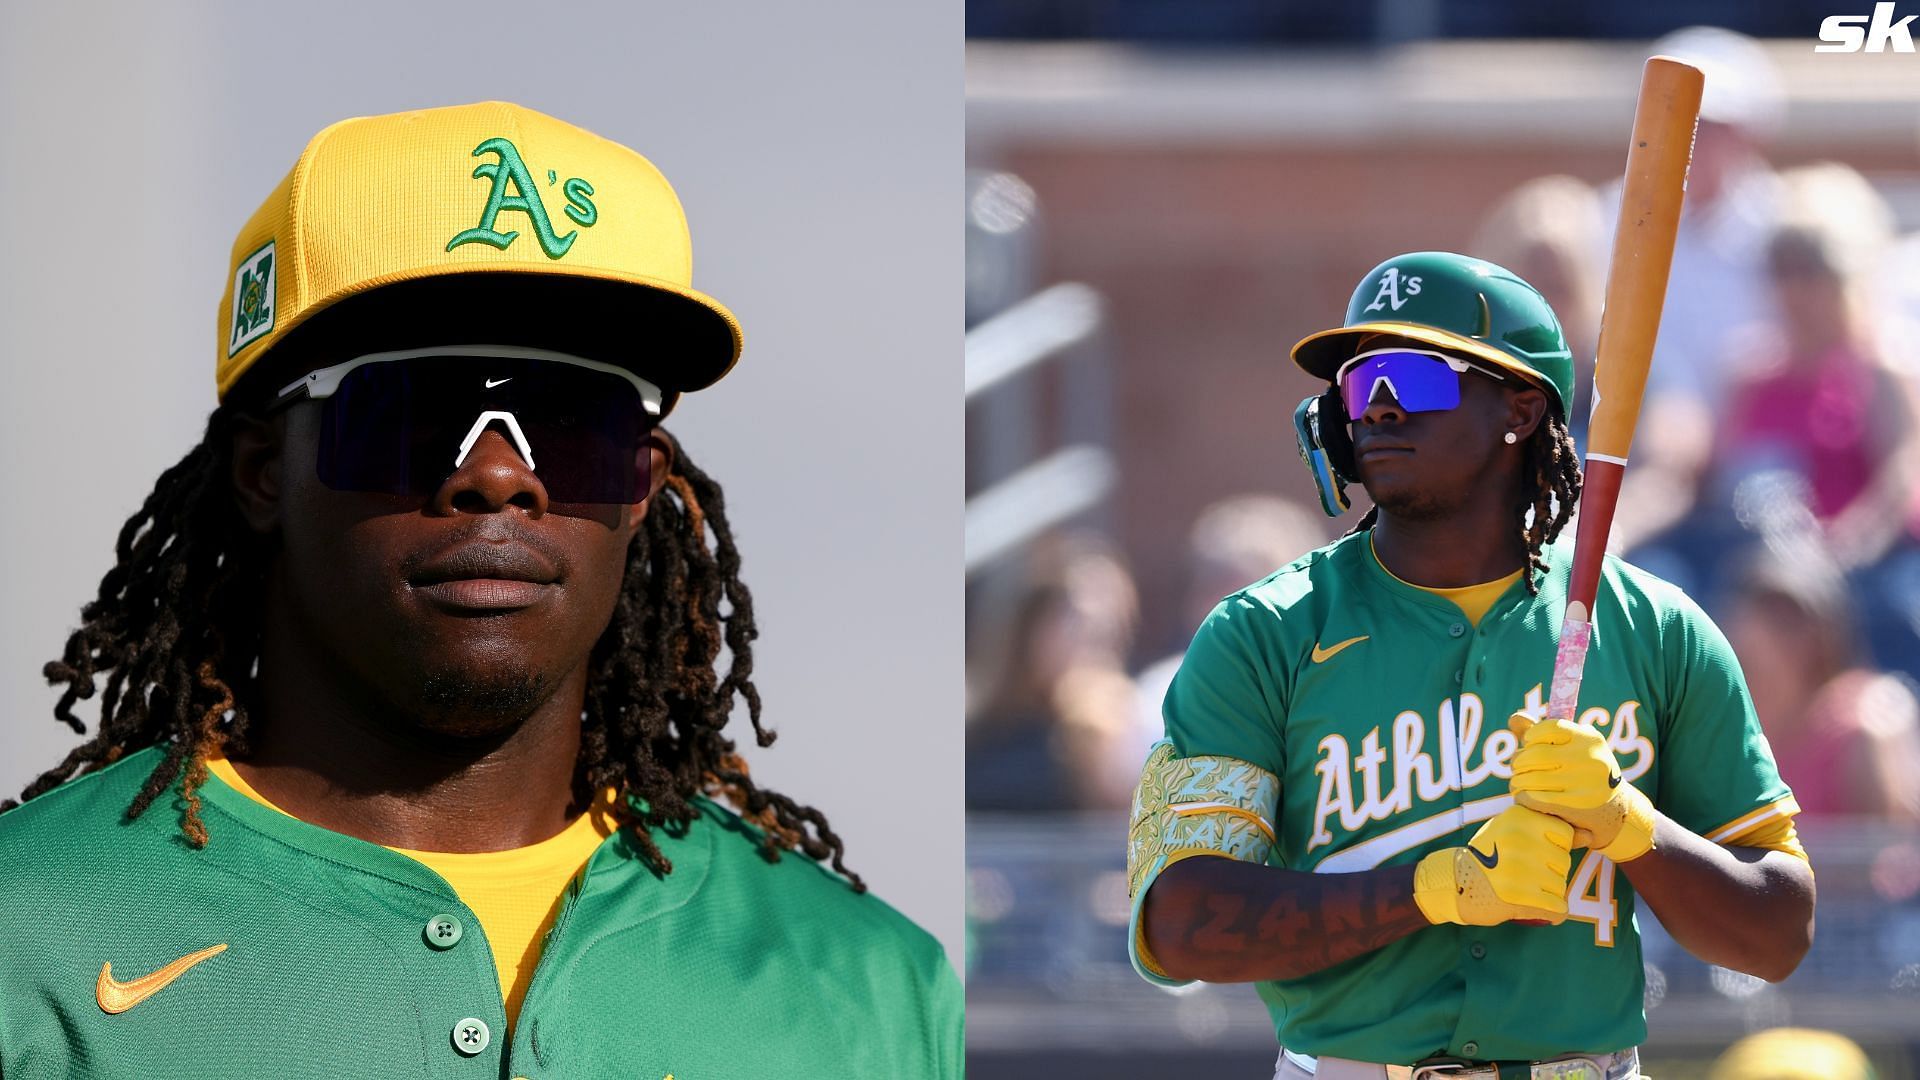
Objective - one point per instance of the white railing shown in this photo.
(1038, 494)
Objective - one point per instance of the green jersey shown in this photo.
(282, 949)
(1333, 718)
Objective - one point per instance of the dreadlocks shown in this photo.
(1549, 492)
(176, 626)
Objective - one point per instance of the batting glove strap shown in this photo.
(1515, 867)
(1634, 835)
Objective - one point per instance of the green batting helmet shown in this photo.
(1452, 302)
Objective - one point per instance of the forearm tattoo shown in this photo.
(1236, 922)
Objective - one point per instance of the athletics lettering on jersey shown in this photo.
(1416, 781)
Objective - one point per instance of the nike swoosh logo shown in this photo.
(1490, 859)
(491, 383)
(1320, 654)
(115, 996)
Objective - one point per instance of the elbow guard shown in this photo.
(1186, 807)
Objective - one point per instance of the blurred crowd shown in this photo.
(1773, 478)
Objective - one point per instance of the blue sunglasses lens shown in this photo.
(1418, 382)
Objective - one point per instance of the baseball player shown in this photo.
(1423, 872)
(411, 759)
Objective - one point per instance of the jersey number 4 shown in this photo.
(1590, 897)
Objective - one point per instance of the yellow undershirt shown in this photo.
(515, 894)
(1473, 600)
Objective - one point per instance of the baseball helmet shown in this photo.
(1441, 300)
(1453, 302)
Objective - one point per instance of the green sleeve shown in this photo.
(1225, 700)
(1716, 768)
(949, 1009)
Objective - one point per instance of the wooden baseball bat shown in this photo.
(1656, 181)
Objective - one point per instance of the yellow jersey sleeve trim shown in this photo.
(1740, 826)
(1772, 831)
(1192, 806)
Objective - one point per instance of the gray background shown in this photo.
(817, 149)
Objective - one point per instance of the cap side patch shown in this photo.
(255, 287)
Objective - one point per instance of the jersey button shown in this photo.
(1459, 677)
(1478, 951)
(443, 931)
(1471, 1049)
(470, 1036)
(1456, 629)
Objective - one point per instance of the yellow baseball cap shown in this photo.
(491, 189)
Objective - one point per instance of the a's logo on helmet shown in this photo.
(1391, 284)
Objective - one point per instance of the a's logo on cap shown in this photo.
(254, 290)
(1390, 285)
(510, 169)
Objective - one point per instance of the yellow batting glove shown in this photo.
(1515, 867)
(1565, 769)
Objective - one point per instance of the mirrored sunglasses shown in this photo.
(401, 422)
(1419, 380)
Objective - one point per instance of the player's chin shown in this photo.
(1390, 476)
(1405, 495)
(480, 700)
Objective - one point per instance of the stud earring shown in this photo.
(1512, 438)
